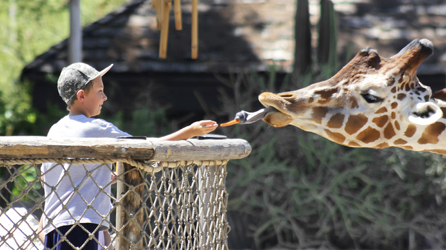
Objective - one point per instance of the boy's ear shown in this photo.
(80, 95)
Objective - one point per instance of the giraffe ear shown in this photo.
(425, 113)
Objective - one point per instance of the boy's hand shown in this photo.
(202, 127)
(195, 129)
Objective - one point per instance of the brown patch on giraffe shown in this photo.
(393, 115)
(336, 137)
(382, 145)
(410, 130)
(325, 94)
(353, 144)
(354, 104)
(441, 94)
(400, 80)
(323, 101)
(401, 96)
(380, 121)
(397, 125)
(444, 112)
(438, 151)
(389, 132)
(310, 100)
(402, 84)
(393, 90)
(381, 110)
(355, 123)
(368, 135)
(336, 121)
(431, 133)
(400, 142)
(407, 147)
(318, 114)
(394, 105)
(407, 87)
(391, 82)
(401, 88)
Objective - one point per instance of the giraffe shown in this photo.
(372, 102)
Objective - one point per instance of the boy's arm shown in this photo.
(195, 129)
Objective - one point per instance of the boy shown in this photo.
(75, 214)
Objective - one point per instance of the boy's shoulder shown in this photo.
(82, 126)
(80, 120)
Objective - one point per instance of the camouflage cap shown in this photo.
(74, 78)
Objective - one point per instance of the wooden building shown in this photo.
(234, 36)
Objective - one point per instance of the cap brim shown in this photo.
(102, 73)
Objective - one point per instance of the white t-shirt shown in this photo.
(64, 206)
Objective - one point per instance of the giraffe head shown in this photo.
(371, 102)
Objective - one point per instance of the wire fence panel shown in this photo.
(172, 200)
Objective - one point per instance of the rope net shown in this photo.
(157, 205)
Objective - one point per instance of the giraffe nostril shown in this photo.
(288, 96)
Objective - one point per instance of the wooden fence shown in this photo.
(166, 194)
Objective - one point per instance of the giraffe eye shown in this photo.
(371, 98)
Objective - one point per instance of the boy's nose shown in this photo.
(104, 97)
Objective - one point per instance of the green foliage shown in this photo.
(16, 117)
(26, 184)
(28, 29)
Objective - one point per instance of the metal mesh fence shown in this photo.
(177, 204)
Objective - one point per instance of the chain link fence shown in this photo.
(159, 195)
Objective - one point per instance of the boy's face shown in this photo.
(95, 98)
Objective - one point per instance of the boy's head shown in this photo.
(76, 77)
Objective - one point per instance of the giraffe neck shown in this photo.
(379, 131)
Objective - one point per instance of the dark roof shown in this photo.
(250, 34)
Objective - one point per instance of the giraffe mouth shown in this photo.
(277, 104)
(276, 118)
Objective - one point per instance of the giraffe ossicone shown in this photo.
(372, 102)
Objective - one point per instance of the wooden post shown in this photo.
(205, 183)
(75, 39)
(119, 209)
(159, 13)
(194, 29)
(177, 10)
(165, 29)
(130, 216)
